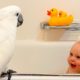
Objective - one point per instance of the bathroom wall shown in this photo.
(34, 12)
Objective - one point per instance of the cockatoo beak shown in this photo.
(20, 20)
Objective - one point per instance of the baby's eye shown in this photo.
(71, 54)
(78, 57)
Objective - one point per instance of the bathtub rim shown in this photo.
(36, 42)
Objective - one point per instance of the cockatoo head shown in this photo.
(11, 15)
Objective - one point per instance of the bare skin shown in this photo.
(74, 59)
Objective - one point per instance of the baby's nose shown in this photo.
(72, 59)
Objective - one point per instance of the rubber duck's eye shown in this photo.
(17, 14)
(60, 13)
(52, 10)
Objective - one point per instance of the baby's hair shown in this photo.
(76, 43)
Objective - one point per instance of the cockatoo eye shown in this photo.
(17, 14)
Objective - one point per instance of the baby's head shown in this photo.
(74, 58)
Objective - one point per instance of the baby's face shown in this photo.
(74, 58)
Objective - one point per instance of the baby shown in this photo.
(74, 59)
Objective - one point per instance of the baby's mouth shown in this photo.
(73, 65)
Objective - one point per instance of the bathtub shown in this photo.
(42, 77)
(39, 57)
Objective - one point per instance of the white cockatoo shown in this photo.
(10, 19)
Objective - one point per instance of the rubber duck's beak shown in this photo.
(48, 13)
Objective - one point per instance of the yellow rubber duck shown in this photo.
(59, 18)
